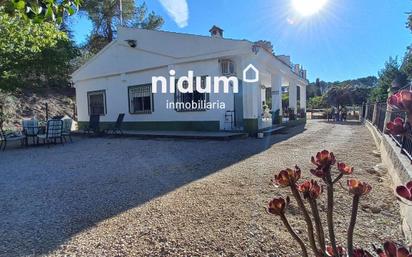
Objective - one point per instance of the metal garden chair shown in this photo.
(67, 129)
(53, 133)
(94, 124)
(9, 137)
(117, 128)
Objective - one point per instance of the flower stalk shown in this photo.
(294, 235)
(355, 206)
(331, 229)
(308, 220)
(358, 189)
(318, 224)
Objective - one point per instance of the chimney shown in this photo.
(285, 59)
(297, 68)
(217, 32)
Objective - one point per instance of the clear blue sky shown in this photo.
(346, 39)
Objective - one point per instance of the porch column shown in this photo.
(251, 106)
(276, 81)
(293, 95)
(303, 97)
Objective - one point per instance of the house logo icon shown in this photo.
(250, 74)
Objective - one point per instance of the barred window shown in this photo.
(97, 102)
(184, 101)
(227, 67)
(140, 99)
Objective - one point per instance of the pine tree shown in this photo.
(105, 17)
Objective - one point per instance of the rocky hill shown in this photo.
(32, 103)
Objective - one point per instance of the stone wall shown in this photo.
(400, 170)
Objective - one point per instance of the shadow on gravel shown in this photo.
(48, 195)
(349, 122)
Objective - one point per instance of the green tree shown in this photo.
(313, 89)
(406, 66)
(339, 95)
(41, 10)
(346, 94)
(387, 76)
(105, 17)
(317, 102)
(33, 54)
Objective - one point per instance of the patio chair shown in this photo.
(67, 129)
(117, 128)
(9, 137)
(53, 132)
(30, 129)
(94, 124)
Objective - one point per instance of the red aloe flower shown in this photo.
(320, 173)
(396, 127)
(310, 189)
(341, 251)
(345, 169)
(401, 100)
(358, 188)
(395, 100)
(361, 253)
(277, 205)
(391, 250)
(324, 160)
(287, 177)
(405, 191)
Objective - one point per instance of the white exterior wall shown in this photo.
(117, 100)
(119, 66)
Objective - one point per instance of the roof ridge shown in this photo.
(189, 34)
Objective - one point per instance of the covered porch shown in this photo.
(281, 96)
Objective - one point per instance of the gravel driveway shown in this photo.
(128, 197)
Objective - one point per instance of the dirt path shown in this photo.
(181, 198)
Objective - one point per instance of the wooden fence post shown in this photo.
(375, 112)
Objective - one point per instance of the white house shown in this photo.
(119, 80)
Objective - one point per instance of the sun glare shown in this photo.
(308, 7)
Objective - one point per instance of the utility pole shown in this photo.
(121, 13)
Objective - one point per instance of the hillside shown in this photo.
(29, 104)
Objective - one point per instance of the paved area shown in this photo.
(129, 197)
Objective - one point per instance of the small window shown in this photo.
(140, 99)
(227, 67)
(191, 101)
(97, 102)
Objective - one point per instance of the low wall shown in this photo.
(400, 170)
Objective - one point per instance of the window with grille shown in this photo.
(97, 102)
(227, 67)
(184, 101)
(140, 99)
